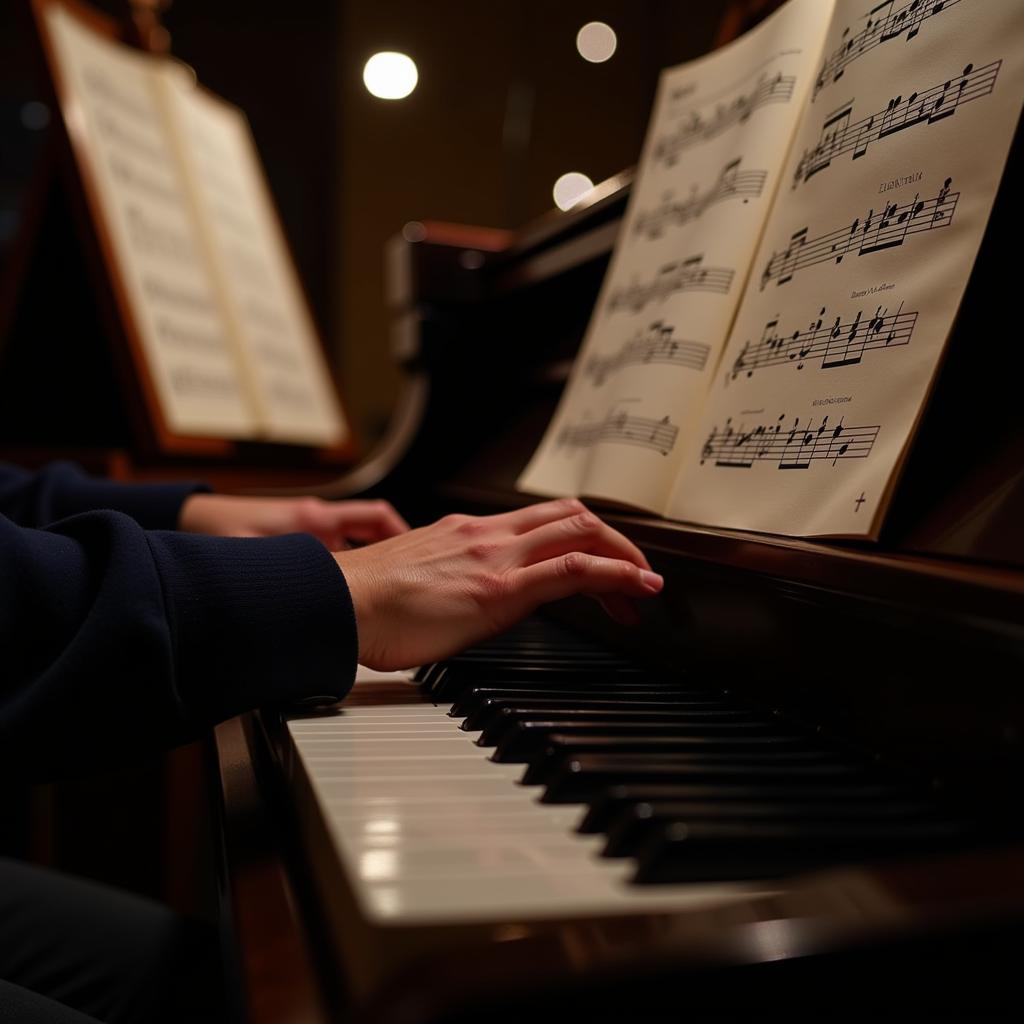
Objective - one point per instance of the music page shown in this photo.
(712, 160)
(265, 305)
(116, 124)
(861, 269)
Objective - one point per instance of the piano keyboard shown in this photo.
(538, 776)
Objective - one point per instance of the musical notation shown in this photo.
(698, 128)
(655, 345)
(621, 428)
(793, 447)
(883, 24)
(839, 136)
(877, 231)
(835, 344)
(686, 276)
(732, 183)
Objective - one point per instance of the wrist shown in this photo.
(187, 513)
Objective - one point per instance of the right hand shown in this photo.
(426, 594)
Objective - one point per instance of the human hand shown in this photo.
(332, 522)
(431, 592)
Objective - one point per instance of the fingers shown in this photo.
(577, 573)
(581, 532)
(360, 520)
(522, 520)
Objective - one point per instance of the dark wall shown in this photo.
(503, 107)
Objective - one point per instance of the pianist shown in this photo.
(119, 619)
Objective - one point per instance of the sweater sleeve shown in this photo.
(114, 639)
(62, 489)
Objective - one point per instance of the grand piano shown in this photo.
(794, 788)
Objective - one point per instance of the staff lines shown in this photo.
(688, 275)
(796, 447)
(936, 103)
(659, 435)
(880, 28)
(732, 183)
(878, 231)
(837, 344)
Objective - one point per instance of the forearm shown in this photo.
(114, 639)
(37, 499)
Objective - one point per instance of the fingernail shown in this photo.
(652, 581)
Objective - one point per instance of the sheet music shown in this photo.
(116, 119)
(711, 164)
(861, 269)
(288, 375)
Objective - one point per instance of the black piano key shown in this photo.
(634, 826)
(529, 739)
(538, 656)
(470, 700)
(575, 780)
(510, 719)
(609, 803)
(492, 709)
(705, 851)
(450, 681)
(558, 750)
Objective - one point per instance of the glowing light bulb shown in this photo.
(570, 189)
(596, 42)
(390, 76)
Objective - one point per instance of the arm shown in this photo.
(113, 639)
(62, 489)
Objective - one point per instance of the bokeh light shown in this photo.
(596, 42)
(570, 189)
(390, 76)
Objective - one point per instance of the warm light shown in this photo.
(570, 189)
(596, 42)
(390, 76)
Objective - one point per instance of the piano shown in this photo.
(795, 787)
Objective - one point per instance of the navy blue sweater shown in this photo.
(118, 634)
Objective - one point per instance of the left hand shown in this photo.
(334, 523)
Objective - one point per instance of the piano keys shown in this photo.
(646, 797)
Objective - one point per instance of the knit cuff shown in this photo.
(255, 621)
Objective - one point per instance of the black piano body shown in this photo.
(910, 650)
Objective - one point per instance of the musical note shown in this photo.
(698, 128)
(655, 345)
(835, 343)
(687, 276)
(878, 231)
(934, 104)
(620, 428)
(794, 447)
(732, 183)
(883, 24)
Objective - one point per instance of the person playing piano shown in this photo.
(133, 616)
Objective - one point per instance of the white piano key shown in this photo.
(429, 829)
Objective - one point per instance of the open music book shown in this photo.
(807, 211)
(202, 277)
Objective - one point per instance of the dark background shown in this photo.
(504, 105)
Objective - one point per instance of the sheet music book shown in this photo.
(808, 208)
(202, 275)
